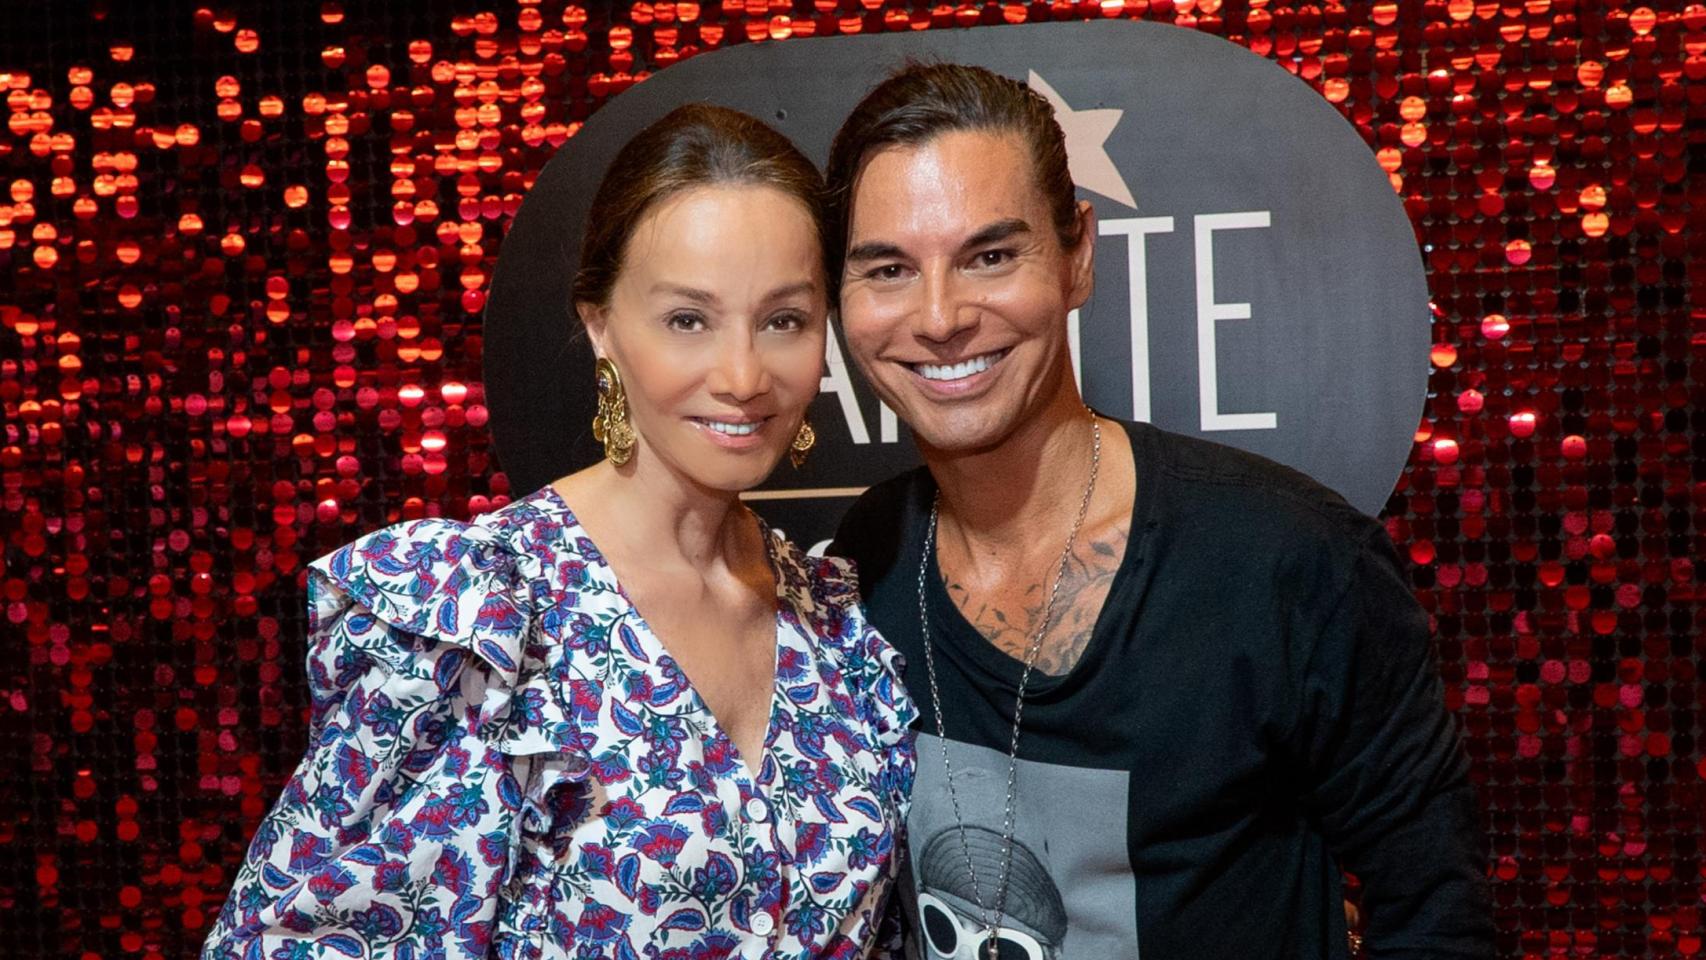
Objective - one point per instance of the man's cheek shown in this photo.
(1013, 293)
(864, 329)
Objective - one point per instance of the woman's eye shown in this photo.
(785, 321)
(685, 322)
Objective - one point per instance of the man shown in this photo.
(1183, 685)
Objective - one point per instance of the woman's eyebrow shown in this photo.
(787, 290)
(703, 297)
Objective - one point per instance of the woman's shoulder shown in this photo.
(827, 582)
(474, 582)
(437, 577)
(421, 599)
(824, 592)
(514, 530)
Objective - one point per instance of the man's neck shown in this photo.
(996, 497)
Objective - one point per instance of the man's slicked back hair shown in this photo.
(922, 101)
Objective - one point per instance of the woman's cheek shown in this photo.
(799, 365)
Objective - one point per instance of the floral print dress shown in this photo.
(505, 762)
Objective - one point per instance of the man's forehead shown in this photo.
(962, 173)
(959, 152)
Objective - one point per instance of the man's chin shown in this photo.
(961, 435)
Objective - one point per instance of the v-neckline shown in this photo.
(720, 734)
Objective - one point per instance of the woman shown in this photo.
(508, 759)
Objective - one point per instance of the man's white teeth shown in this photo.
(732, 429)
(957, 371)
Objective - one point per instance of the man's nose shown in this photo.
(945, 313)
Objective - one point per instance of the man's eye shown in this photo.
(994, 258)
(685, 321)
(888, 271)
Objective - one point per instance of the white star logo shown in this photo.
(1087, 144)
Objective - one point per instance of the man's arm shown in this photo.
(1386, 774)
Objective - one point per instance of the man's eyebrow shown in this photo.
(996, 232)
(704, 297)
(875, 250)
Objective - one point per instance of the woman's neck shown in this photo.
(674, 520)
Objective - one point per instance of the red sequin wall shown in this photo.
(244, 251)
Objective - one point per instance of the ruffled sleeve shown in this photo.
(394, 837)
(892, 713)
(873, 666)
(872, 670)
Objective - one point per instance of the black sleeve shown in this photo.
(870, 533)
(1387, 775)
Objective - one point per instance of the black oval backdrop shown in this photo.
(1257, 280)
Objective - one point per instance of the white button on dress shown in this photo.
(757, 810)
(762, 924)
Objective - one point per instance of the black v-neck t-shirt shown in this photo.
(1258, 707)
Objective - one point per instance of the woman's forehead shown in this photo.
(710, 230)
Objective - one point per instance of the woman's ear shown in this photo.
(593, 319)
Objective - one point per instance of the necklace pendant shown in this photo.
(992, 943)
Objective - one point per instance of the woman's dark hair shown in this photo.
(922, 101)
(695, 145)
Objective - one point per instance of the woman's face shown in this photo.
(716, 324)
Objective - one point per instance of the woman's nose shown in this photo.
(739, 372)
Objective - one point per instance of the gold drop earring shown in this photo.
(610, 426)
(804, 440)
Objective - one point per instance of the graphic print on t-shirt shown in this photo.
(1070, 890)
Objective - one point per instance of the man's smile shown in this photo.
(948, 373)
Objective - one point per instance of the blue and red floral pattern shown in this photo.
(505, 762)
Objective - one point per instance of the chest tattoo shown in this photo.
(1007, 615)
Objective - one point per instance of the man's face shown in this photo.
(956, 289)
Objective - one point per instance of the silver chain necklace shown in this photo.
(992, 920)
